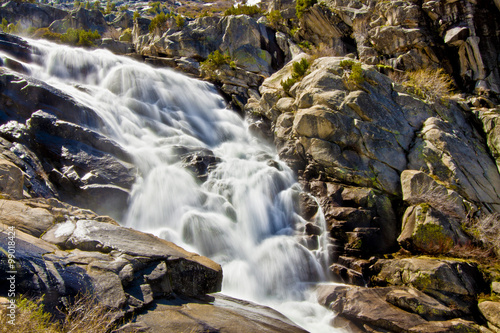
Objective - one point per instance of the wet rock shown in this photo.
(200, 163)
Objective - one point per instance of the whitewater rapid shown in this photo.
(243, 216)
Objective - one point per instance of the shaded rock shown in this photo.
(117, 47)
(15, 46)
(200, 163)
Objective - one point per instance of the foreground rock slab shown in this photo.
(220, 313)
(81, 252)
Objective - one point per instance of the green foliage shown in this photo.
(110, 7)
(97, 6)
(347, 63)
(356, 75)
(136, 15)
(305, 45)
(45, 33)
(288, 83)
(77, 4)
(299, 69)
(155, 8)
(243, 9)
(294, 31)
(302, 5)
(157, 21)
(80, 37)
(4, 25)
(126, 36)
(84, 315)
(274, 17)
(215, 60)
(123, 8)
(179, 21)
(87, 5)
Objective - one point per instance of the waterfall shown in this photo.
(242, 216)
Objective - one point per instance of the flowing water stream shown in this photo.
(243, 216)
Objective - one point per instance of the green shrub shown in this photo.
(80, 37)
(123, 8)
(302, 5)
(305, 45)
(157, 21)
(155, 8)
(136, 15)
(356, 75)
(45, 33)
(299, 69)
(287, 84)
(179, 21)
(243, 9)
(274, 18)
(215, 61)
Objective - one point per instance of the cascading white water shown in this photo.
(243, 216)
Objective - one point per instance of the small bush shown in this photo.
(302, 5)
(299, 69)
(305, 45)
(356, 75)
(274, 18)
(157, 21)
(136, 15)
(215, 60)
(80, 37)
(243, 9)
(180, 21)
(287, 84)
(428, 84)
(45, 33)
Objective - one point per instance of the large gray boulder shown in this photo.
(81, 252)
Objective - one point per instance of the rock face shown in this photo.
(460, 36)
(30, 14)
(358, 145)
(78, 165)
(82, 252)
(247, 42)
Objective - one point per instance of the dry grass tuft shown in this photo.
(84, 315)
(428, 84)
